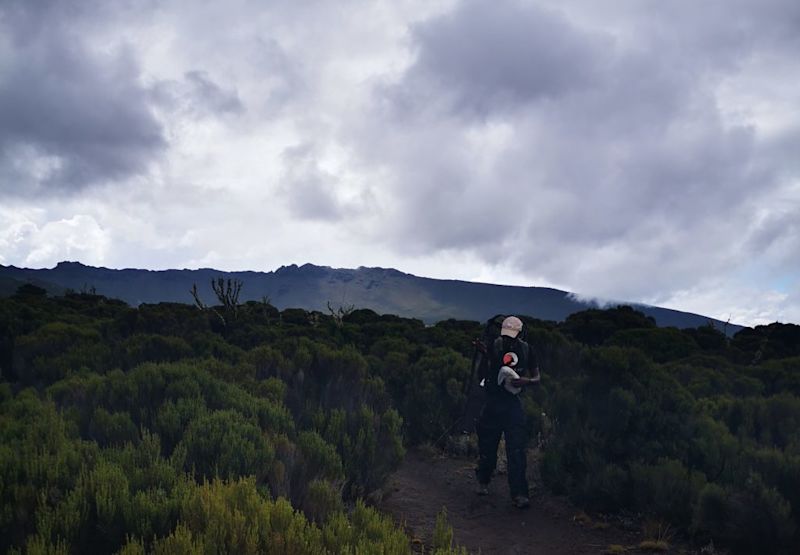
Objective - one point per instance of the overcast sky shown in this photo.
(630, 149)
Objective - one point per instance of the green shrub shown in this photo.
(666, 489)
(366, 531)
(749, 519)
(225, 444)
(555, 472)
(320, 501)
(230, 517)
(607, 489)
(112, 429)
(141, 348)
(57, 350)
(443, 532)
(370, 445)
(432, 393)
(660, 344)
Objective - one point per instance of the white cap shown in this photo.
(511, 326)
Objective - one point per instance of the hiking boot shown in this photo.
(521, 502)
(482, 489)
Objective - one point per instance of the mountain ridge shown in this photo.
(312, 287)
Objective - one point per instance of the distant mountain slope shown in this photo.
(385, 291)
(9, 285)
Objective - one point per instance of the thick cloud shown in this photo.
(598, 160)
(197, 95)
(310, 190)
(482, 59)
(71, 114)
(641, 151)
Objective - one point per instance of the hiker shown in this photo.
(509, 357)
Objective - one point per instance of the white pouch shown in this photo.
(504, 377)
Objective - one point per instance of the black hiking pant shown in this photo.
(497, 418)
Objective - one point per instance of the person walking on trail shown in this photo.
(509, 357)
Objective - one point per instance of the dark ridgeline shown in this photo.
(386, 291)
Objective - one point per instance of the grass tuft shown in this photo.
(654, 545)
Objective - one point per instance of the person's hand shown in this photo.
(522, 382)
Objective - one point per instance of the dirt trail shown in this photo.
(426, 482)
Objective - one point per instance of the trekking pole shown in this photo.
(448, 430)
(475, 353)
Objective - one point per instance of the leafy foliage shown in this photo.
(149, 431)
(163, 429)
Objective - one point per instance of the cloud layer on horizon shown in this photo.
(643, 152)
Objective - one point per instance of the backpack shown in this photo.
(482, 355)
(483, 346)
(481, 372)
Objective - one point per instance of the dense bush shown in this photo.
(155, 430)
(671, 424)
(750, 517)
(165, 428)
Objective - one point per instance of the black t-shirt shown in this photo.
(525, 364)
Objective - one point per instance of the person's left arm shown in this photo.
(524, 380)
(533, 368)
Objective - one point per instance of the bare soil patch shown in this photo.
(426, 482)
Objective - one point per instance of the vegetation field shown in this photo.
(238, 428)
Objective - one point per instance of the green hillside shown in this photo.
(384, 290)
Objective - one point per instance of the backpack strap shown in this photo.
(497, 346)
(493, 357)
